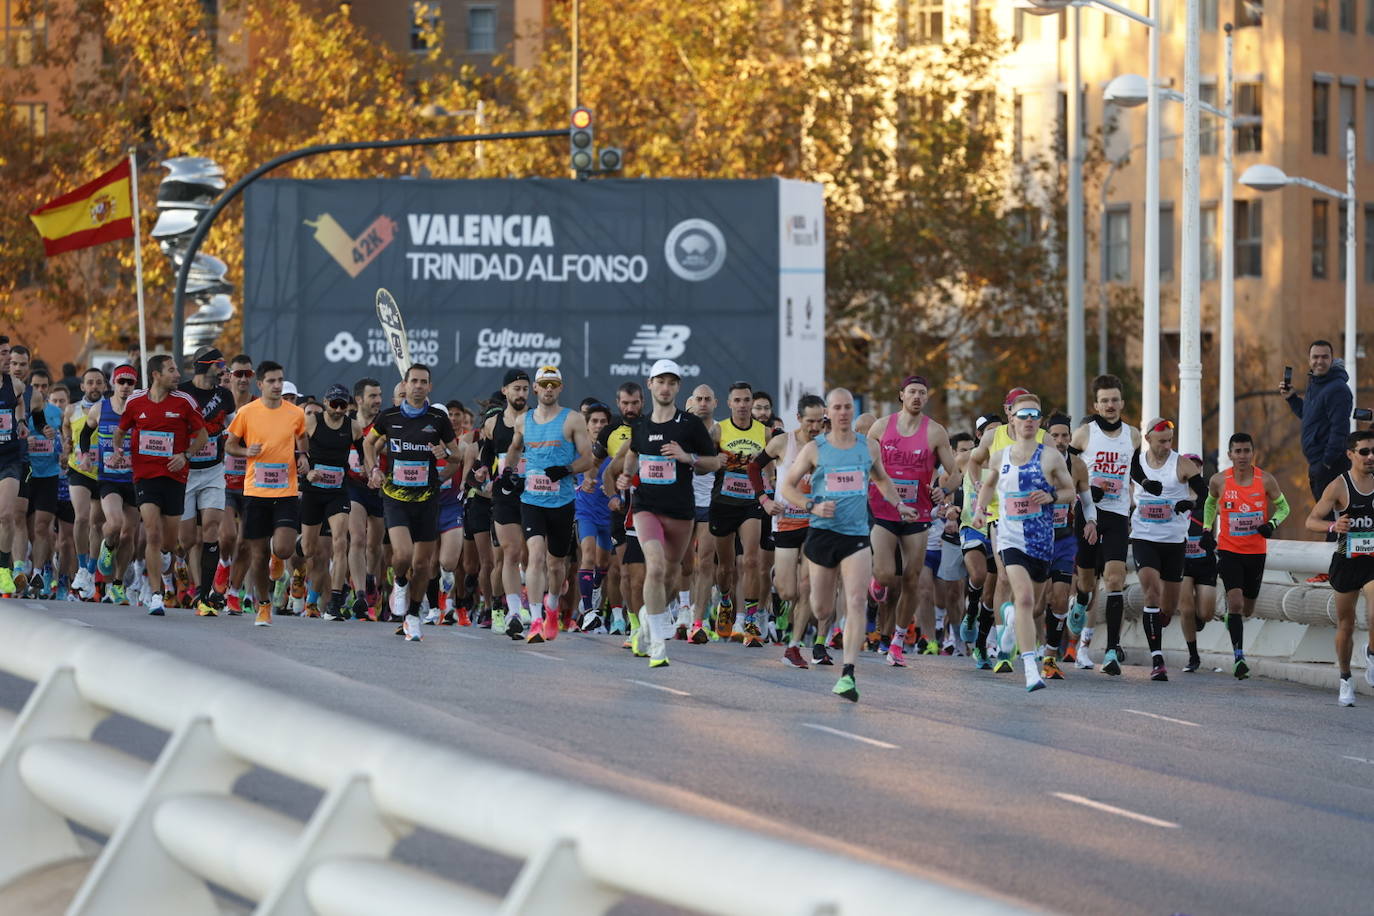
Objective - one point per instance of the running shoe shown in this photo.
(514, 628)
(1003, 666)
(618, 627)
(931, 648)
(896, 658)
(1052, 671)
(155, 605)
(698, 635)
(1111, 664)
(360, 609)
(207, 608)
(968, 629)
(498, 618)
(264, 618)
(312, 609)
(279, 592)
(1083, 659)
(658, 653)
(1078, 616)
(639, 643)
(820, 657)
(680, 632)
(880, 646)
(725, 618)
(83, 581)
(753, 638)
(845, 687)
(21, 578)
(1159, 672)
(104, 563)
(1071, 650)
(980, 660)
(6, 581)
(414, 632)
(1037, 684)
(551, 616)
(399, 602)
(233, 604)
(1318, 579)
(1194, 663)
(1345, 695)
(536, 633)
(591, 622)
(793, 658)
(221, 583)
(118, 594)
(837, 640)
(463, 619)
(1240, 669)
(1368, 667)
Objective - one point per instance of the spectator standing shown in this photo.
(1325, 416)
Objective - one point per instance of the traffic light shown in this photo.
(183, 198)
(582, 148)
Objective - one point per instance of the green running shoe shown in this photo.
(1003, 665)
(1240, 669)
(845, 687)
(6, 581)
(980, 660)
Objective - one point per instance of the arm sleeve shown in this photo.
(87, 433)
(1209, 512)
(1199, 487)
(1334, 448)
(756, 466)
(1137, 472)
(1280, 510)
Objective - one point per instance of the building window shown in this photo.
(1166, 242)
(1321, 116)
(1249, 252)
(25, 31)
(1249, 13)
(1116, 245)
(1320, 239)
(424, 23)
(1347, 14)
(1346, 107)
(980, 22)
(1207, 236)
(1250, 105)
(1209, 15)
(929, 22)
(1321, 14)
(1369, 243)
(1207, 136)
(31, 116)
(481, 30)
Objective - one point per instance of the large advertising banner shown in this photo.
(600, 278)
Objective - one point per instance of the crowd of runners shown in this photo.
(231, 493)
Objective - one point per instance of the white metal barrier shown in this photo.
(175, 825)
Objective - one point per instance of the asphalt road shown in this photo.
(1098, 795)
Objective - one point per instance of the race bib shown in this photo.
(1018, 506)
(737, 485)
(908, 491)
(1111, 484)
(657, 470)
(355, 464)
(156, 444)
(410, 473)
(328, 476)
(1061, 515)
(207, 452)
(1245, 524)
(1156, 511)
(844, 482)
(1359, 544)
(539, 482)
(123, 462)
(270, 475)
(41, 447)
(1192, 549)
(235, 466)
(6, 424)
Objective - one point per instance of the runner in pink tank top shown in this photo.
(910, 462)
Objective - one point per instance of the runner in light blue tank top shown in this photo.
(546, 447)
(841, 476)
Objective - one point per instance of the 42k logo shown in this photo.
(353, 254)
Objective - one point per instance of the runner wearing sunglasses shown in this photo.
(1166, 488)
(233, 550)
(116, 476)
(205, 486)
(324, 500)
(1351, 497)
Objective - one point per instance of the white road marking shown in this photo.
(1137, 712)
(1112, 809)
(651, 686)
(546, 655)
(466, 636)
(851, 736)
(77, 623)
(1356, 759)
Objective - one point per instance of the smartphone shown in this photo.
(1362, 414)
(1287, 376)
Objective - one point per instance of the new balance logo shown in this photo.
(659, 342)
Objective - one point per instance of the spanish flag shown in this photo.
(101, 211)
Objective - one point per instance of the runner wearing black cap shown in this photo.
(205, 494)
(324, 501)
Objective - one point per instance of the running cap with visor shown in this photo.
(289, 390)
(665, 367)
(914, 380)
(337, 392)
(1013, 395)
(515, 375)
(548, 374)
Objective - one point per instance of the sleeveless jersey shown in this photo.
(1359, 541)
(1241, 511)
(1154, 518)
(1024, 525)
(733, 487)
(328, 451)
(841, 476)
(910, 463)
(793, 517)
(546, 447)
(1001, 438)
(1109, 467)
(1064, 513)
(78, 425)
(117, 471)
(10, 443)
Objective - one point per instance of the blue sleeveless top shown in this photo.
(841, 476)
(109, 422)
(545, 447)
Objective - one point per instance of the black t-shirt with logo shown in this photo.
(216, 405)
(665, 484)
(413, 474)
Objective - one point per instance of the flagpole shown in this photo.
(138, 266)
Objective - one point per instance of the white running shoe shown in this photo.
(1368, 667)
(84, 584)
(1083, 659)
(1346, 694)
(399, 601)
(413, 631)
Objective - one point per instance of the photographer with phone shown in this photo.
(1325, 416)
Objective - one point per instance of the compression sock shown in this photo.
(209, 561)
(984, 626)
(1235, 625)
(1154, 634)
(1084, 598)
(1054, 625)
(974, 595)
(1116, 607)
(586, 580)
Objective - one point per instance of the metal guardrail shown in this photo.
(175, 825)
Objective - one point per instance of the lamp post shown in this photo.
(1271, 178)
(1129, 91)
(1076, 358)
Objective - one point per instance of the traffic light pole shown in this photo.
(203, 227)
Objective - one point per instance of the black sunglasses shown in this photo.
(1364, 452)
(339, 405)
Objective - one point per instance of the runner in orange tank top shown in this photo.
(1247, 505)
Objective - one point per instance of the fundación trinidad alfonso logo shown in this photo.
(695, 249)
(353, 254)
(102, 208)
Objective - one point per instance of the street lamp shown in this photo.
(1128, 91)
(1076, 360)
(1272, 178)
